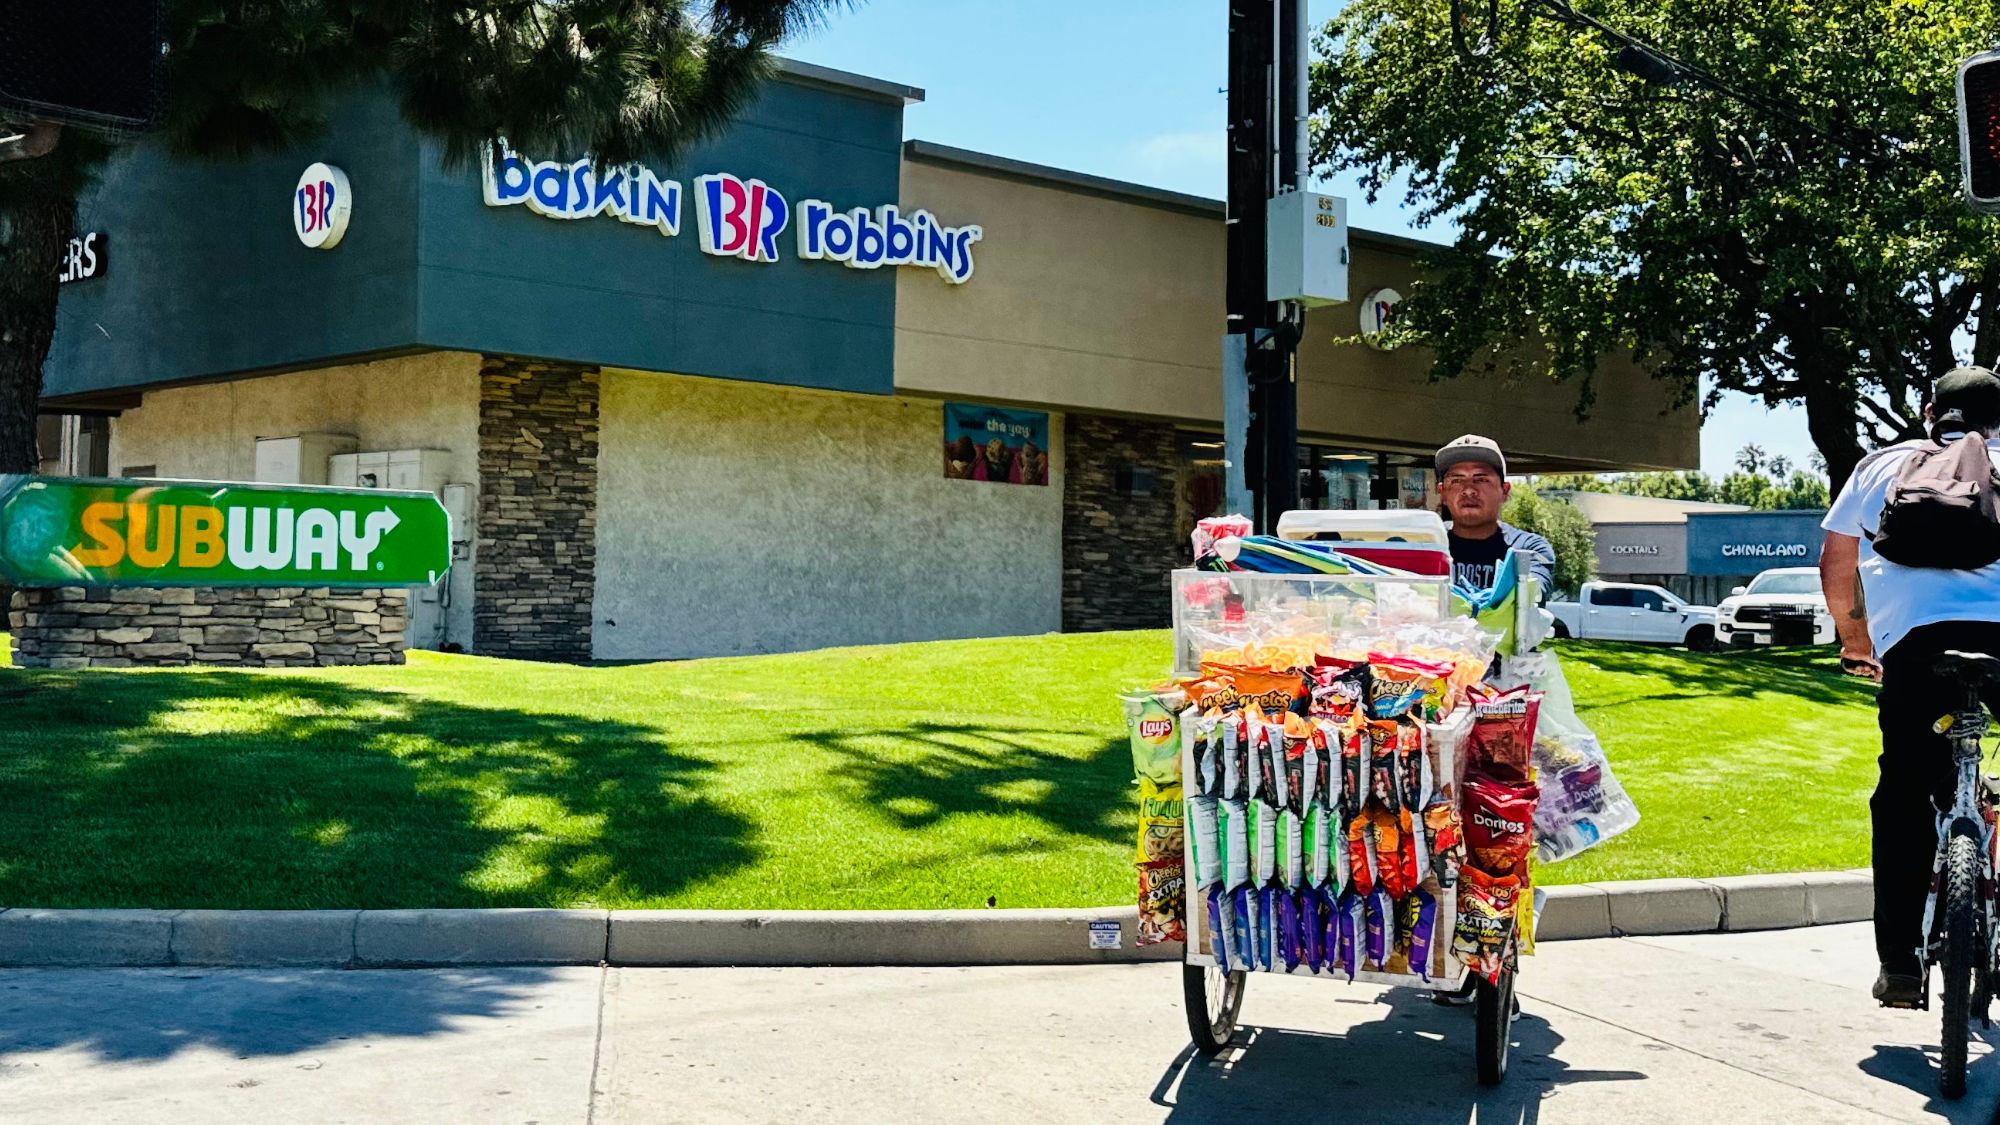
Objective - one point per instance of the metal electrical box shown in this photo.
(1305, 237)
(299, 459)
(417, 470)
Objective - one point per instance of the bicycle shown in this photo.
(1960, 940)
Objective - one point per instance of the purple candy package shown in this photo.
(1288, 930)
(1312, 933)
(1351, 927)
(1380, 926)
(1244, 951)
(1221, 929)
(1424, 933)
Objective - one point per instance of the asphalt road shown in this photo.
(1735, 1029)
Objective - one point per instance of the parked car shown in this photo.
(1619, 611)
(1783, 607)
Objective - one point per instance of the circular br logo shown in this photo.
(1377, 309)
(320, 206)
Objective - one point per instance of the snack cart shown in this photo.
(1335, 606)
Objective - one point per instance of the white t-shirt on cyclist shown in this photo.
(1900, 598)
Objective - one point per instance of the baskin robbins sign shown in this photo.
(735, 217)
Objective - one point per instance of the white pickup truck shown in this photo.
(1618, 611)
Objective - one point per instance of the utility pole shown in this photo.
(1267, 156)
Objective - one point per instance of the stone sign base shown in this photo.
(259, 626)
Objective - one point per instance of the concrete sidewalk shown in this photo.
(1738, 1028)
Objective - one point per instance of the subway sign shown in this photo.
(67, 531)
(735, 217)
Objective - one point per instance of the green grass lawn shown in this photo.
(934, 775)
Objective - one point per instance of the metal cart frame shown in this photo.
(1213, 999)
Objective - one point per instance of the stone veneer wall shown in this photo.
(267, 626)
(535, 569)
(1117, 549)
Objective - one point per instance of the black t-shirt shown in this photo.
(1473, 561)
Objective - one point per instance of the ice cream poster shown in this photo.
(990, 444)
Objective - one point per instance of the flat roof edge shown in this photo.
(817, 75)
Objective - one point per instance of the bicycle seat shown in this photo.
(1969, 667)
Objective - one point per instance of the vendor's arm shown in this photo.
(1841, 580)
(1539, 554)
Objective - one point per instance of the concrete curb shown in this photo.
(32, 937)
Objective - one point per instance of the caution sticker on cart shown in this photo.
(1106, 935)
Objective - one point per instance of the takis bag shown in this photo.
(1942, 510)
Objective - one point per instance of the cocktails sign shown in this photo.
(67, 531)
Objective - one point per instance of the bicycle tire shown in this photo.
(1962, 950)
(1493, 1012)
(1211, 1025)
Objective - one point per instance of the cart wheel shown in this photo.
(1213, 1001)
(1493, 1011)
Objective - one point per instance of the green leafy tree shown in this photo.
(1814, 252)
(1566, 528)
(1803, 490)
(619, 79)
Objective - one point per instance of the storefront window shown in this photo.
(1330, 477)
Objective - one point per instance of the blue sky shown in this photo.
(1126, 89)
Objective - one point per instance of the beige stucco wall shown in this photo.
(741, 518)
(1086, 302)
(1092, 303)
(210, 431)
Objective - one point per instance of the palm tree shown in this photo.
(620, 79)
(1750, 458)
(1780, 467)
(1818, 462)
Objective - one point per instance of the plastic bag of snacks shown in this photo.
(1582, 803)
(1487, 909)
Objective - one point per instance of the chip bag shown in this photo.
(1272, 692)
(1162, 903)
(1204, 840)
(1339, 692)
(1447, 841)
(1235, 756)
(1291, 849)
(1263, 843)
(1154, 731)
(1232, 829)
(1289, 945)
(1319, 846)
(1486, 916)
(1503, 731)
(1312, 927)
(1396, 687)
(1499, 824)
(1202, 736)
(1361, 863)
(1380, 913)
(1353, 927)
(1357, 774)
(1160, 823)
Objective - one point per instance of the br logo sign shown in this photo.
(320, 206)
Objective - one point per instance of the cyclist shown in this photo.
(1892, 627)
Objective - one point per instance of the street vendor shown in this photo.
(1472, 483)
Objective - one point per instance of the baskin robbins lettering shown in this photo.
(736, 217)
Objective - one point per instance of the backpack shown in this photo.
(1942, 510)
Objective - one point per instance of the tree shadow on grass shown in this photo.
(1806, 673)
(243, 790)
(922, 773)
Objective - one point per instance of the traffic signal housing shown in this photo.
(1979, 130)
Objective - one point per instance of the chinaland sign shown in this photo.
(736, 218)
(62, 531)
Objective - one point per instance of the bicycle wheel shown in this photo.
(1962, 950)
(1213, 1000)
(1493, 1011)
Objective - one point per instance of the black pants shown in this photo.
(1917, 777)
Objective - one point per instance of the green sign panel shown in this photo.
(68, 531)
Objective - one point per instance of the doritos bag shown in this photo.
(1499, 824)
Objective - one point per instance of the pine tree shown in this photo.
(619, 79)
